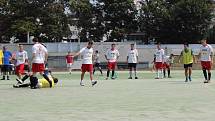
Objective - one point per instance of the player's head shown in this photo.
(35, 40)
(186, 45)
(113, 46)
(69, 52)
(96, 51)
(21, 48)
(158, 45)
(171, 55)
(55, 80)
(90, 44)
(4, 48)
(132, 46)
(204, 42)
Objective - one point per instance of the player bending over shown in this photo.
(188, 59)
(87, 62)
(206, 57)
(111, 56)
(158, 61)
(132, 60)
(38, 83)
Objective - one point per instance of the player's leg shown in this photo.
(130, 71)
(90, 69)
(204, 70)
(21, 85)
(135, 70)
(3, 72)
(100, 68)
(8, 71)
(186, 74)
(209, 70)
(190, 73)
(33, 81)
(108, 70)
(169, 71)
(113, 66)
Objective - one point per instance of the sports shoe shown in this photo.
(136, 77)
(94, 83)
(157, 78)
(106, 78)
(205, 81)
(169, 77)
(112, 78)
(19, 81)
(129, 77)
(190, 79)
(81, 83)
(34, 87)
(186, 80)
(15, 86)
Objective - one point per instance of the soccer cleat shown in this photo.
(19, 81)
(205, 81)
(112, 78)
(157, 78)
(8, 78)
(136, 77)
(15, 86)
(34, 87)
(129, 77)
(94, 83)
(106, 78)
(169, 77)
(186, 80)
(190, 79)
(81, 83)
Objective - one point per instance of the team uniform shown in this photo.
(159, 59)
(132, 58)
(1, 57)
(187, 58)
(97, 63)
(69, 61)
(205, 58)
(87, 61)
(20, 58)
(167, 62)
(38, 62)
(112, 56)
(6, 64)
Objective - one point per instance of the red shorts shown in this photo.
(20, 69)
(158, 65)
(206, 65)
(87, 68)
(111, 65)
(38, 67)
(166, 66)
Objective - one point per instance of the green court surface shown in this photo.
(145, 99)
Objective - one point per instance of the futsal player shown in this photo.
(132, 60)
(158, 61)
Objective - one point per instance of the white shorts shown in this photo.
(69, 65)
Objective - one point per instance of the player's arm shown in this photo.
(212, 55)
(194, 58)
(117, 55)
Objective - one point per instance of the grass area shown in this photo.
(145, 99)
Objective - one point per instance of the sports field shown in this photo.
(145, 99)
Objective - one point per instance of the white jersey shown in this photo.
(112, 55)
(39, 50)
(87, 55)
(206, 52)
(159, 55)
(21, 57)
(132, 56)
(96, 56)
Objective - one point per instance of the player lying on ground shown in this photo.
(38, 83)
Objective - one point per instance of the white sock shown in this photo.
(130, 72)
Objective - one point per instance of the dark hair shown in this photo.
(186, 43)
(97, 51)
(158, 43)
(55, 80)
(35, 39)
(132, 44)
(113, 44)
(90, 43)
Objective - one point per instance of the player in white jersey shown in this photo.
(206, 57)
(112, 56)
(87, 62)
(21, 58)
(168, 61)
(132, 60)
(159, 60)
(97, 62)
